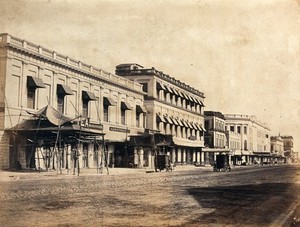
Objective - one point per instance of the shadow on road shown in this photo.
(255, 205)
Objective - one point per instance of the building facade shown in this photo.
(277, 149)
(55, 109)
(288, 147)
(254, 138)
(175, 118)
(215, 140)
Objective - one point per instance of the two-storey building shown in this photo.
(254, 138)
(175, 119)
(55, 109)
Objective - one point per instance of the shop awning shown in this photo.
(187, 143)
(109, 101)
(216, 150)
(35, 82)
(43, 130)
(151, 140)
(53, 116)
(87, 95)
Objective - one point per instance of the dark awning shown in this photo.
(169, 120)
(160, 118)
(108, 101)
(203, 129)
(180, 94)
(175, 121)
(194, 125)
(198, 127)
(125, 106)
(185, 96)
(140, 109)
(194, 100)
(200, 102)
(160, 86)
(175, 91)
(142, 140)
(64, 89)
(169, 90)
(184, 123)
(179, 122)
(35, 82)
(87, 95)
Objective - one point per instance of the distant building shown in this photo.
(214, 138)
(234, 145)
(254, 138)
(175, 117)
(277, 149)
(288, 147)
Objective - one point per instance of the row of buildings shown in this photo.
(59, 113)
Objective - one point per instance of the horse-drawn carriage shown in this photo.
(222, 163)
(163, 162)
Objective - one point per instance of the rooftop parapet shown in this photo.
(252, 118)
(7, 39)
(136, 69)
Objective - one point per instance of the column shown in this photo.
(68, 158)
(194, 156)
(136, 158)
(90, 155)
(202, 160)
(141, 158)
(150, 163)
(80, 148)
(173, 155)
(198, 157)
(179, 160)
(184, 155)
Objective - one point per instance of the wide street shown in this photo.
(246, 196)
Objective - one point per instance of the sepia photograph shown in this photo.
(149, 113)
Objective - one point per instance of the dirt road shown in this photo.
(259, 196)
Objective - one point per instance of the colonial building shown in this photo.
(215, 138)
(288, 147)
(175, 119)
(234, 146)
(55, 109)
(277, 149)
(254, 138)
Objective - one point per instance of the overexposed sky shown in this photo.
(244, 55)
